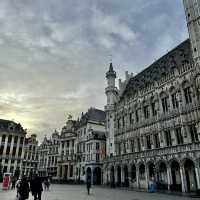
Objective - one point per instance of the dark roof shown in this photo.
(177, 57)
(11, 126)
(93, 114)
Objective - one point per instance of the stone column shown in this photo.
(169, 177)
(147, 176)
(183, 180)
(5, 145)
(197, 177)
(137, 177)
(174, 138)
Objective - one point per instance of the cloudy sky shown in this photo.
(54, 53)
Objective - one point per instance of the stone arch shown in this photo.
(176, 176)
(89, 174)
(162, 181)
(112, 176)
(119, 178)
(133, 172)
(142, 175)
(190, 175)
(151, 170)
(126, 177)
(97, 176)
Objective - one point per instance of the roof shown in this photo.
(93, 114)
(11, 126)
(178, 56)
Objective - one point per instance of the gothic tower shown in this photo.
(192, 11)
(112, 95)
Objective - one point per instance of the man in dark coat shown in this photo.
(36, 187)
(88, 183)
(24, 189)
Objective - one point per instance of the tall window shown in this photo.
(179, 136)
(148, 141)
(193, 133)
(174, 101)
(165, 104)
(97, 146)
(168, 138)
(130, 118)
(188, 95)
(137, 115)
(118, 123)
(3, 138)
(123, 121)
(9, 139)
(139, 144)
(157, 141)
(146, 112)
(153, 107)
(132, 146)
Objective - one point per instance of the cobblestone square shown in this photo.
(74, 192)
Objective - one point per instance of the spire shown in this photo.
(111, 72)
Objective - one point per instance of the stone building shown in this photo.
(30, 161)
(12, 137)
(48, 153)
(155, 119)
(67, 158)
(91, 145)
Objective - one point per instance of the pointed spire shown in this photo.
(111, 72)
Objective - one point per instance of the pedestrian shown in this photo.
(13, 182)
(18, 186)
(88, 183)
(36, 187)
(24, 189)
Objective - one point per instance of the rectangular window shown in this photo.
(188, 95)
(168, 138)
(16, 139)
(132, 146)
(139, 144)
(179, 136)
(8, 150)
(137, 116)
(130, 118)
(97, 157)
(157, 141)
(3, 138)
(146, 112)
(1, 150)
(118, 123)
(97, 146)
(153, 107)
(148, 141)
(123, 121)
(165, 104)
(174, 101)
(193, 133)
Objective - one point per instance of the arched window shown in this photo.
(187, 92)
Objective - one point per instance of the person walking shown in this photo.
(24, 189)
(88, 183)
(36, 187)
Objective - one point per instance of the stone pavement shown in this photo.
(74, 192)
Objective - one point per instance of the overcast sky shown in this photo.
(54, 53)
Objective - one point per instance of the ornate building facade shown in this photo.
(12, 137)
(156, 119)
(30, 161)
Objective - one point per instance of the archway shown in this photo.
(118, 176)
(133, 173)
(89, 175)
(190, 174)
(97, 176)
(176, 177)
(126, 180)
(151, 172)
(142, 176)
(162, 177)
(112, 176)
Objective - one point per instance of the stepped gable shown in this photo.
(177, 57)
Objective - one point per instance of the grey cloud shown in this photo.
(54, 54)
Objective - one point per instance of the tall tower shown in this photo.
(192, 11)
(112, 95)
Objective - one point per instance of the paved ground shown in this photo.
(71, 192)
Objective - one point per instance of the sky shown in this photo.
(54, 54)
